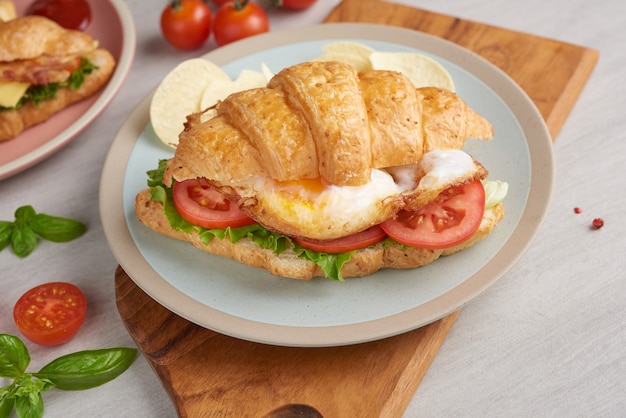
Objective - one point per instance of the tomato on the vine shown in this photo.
(51, 313)
(450, 220)
(220, 2)
(239, 19)
(293, 4)
(71, 14)
(186, 24)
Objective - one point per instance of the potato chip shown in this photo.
(352, 53)
(247, 79)
(180, 94)
(347, 47)
(360, 63)
(266, 72)
(423, 71)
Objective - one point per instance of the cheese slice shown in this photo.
(11, 92)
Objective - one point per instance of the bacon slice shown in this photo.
(42, 70)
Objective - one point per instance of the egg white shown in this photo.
(316, 210)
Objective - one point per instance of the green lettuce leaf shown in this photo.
(329, 263)
(40, 93)
(495, 192)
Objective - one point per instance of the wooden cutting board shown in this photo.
(209, 374)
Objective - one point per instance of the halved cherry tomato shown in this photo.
(444, 223)
(186, 24)
(237, 20)
(363, 239)
(202, 205)
(51, 313)
(71, 14)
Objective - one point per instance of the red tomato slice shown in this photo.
(444, 223)
(202, 205)
(73, 64)
(364, 239)
(51, 313)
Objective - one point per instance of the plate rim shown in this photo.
(123, 247)
(64, 137)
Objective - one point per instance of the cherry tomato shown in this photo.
(51, 313)
(294, 4)
(186, 24)
(237, 20)
(202, 205)
(364, 239)
(71, 14)
(444, 223)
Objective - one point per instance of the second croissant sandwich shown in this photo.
(327, 172)
(43, 69)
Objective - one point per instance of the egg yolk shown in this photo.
(304, 189)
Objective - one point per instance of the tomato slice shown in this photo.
(73, 64)
(363, 239)
(51, 313)
(202, 205)
(451, 219)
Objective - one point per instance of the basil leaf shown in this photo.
(6, 406)
(87, 369)
(55, 228)
(6, 230)
(14, 356)
(23, 241)
(29, 405)
(24, 214)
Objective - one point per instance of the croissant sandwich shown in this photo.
(326, 172)
(43, 69)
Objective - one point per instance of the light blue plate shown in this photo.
(251, 304)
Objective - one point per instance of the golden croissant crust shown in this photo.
(29, 37)
(322, 119)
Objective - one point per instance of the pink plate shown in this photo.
(113, 27)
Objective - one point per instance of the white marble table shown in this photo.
(548, 339)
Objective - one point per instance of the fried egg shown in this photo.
(314, 209)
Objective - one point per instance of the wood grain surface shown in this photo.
(208, 374)
(551, 72)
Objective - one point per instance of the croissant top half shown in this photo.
(322, 119)
(29, 37)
